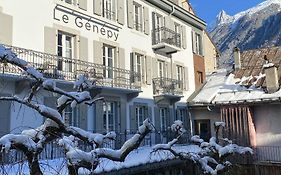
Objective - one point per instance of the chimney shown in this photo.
(237, 58)
(271, 77)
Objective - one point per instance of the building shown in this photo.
(139, 53)
(248, 100)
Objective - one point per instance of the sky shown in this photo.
(208, 9)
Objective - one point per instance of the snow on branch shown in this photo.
(10, 141)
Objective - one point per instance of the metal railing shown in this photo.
(52, 66)
(168, 86)
(53, 150)
(165, 35)
(268, 154)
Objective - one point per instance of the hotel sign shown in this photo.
(85, 22)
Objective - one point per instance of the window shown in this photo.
(109, 116)
(136, 66)
(203, 129)
(179, 76)
(108, 10)
(70, 116)
(197, 44)
(180, 115)
(161, 69)
(157, 26)
(200, 77)
(163, 118)
(65, 50)
(137, 16)
(140, 115)
(108, 60)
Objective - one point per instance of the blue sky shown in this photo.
(208, 9)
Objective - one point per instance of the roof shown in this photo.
(244, 85)
(253, 61)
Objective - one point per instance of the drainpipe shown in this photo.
(173, 10)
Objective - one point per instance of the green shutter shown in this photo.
(83, 4)
(50, 40)
(183, 36)
(133, 120)
(120, 11)
(123, 116)
(148, 70)
(97, 7)
(5, 117)
(98, 52)
(146, 20)
(169, 23)
(83, 48)
(174, 71)
(130, 13)
(143, 70)
(154, 68)
(168, 68)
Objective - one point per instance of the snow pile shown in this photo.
(219, 124)
(9, 139)
(196, 139)
(50, 112)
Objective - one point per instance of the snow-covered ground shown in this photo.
(140, 156)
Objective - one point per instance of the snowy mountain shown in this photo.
(256, 27)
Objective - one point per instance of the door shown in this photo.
(203, 129)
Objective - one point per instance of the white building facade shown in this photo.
(138, 52)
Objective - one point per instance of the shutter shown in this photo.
(120, 11)
(50, 40)
(155, 68)
(169, 23)
(82, 111)
(99, 116)
(185, 80)
(5, 117)
(133, 120)
(201, 45)
(153, 28)
(184, 44)
(121, 58)
(132, 66)
(123, 116)
(171, 117)
(174, 71)
(146, 20)
(143, 70)
(169, 71)
(6, 32)
(130, 14)
(193, 41)
(149, 113)
(156, 119)
(83, 4)
(97, 7)
(148, 70)
(98, 52)
(83, 48)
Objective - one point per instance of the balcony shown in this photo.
(68, 69)
(167, 89)
(166, 40)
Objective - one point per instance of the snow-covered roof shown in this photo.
(247, 84)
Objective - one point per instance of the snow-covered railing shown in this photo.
(55, 67)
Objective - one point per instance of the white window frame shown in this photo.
(198, 44)
(161, 69)
(108, 10)
(179, 73)
(71, 116)
(140, 115)
(108, 61)
(138, 16)
(109, 110)
(65, 49)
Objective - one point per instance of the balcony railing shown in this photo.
(55, 67)
(167, 86)
(165, 35)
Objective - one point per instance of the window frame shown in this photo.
(108, 12)
(138, 17)
(108, 60)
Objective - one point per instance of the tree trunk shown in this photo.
(72, 170)
(33, 164)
